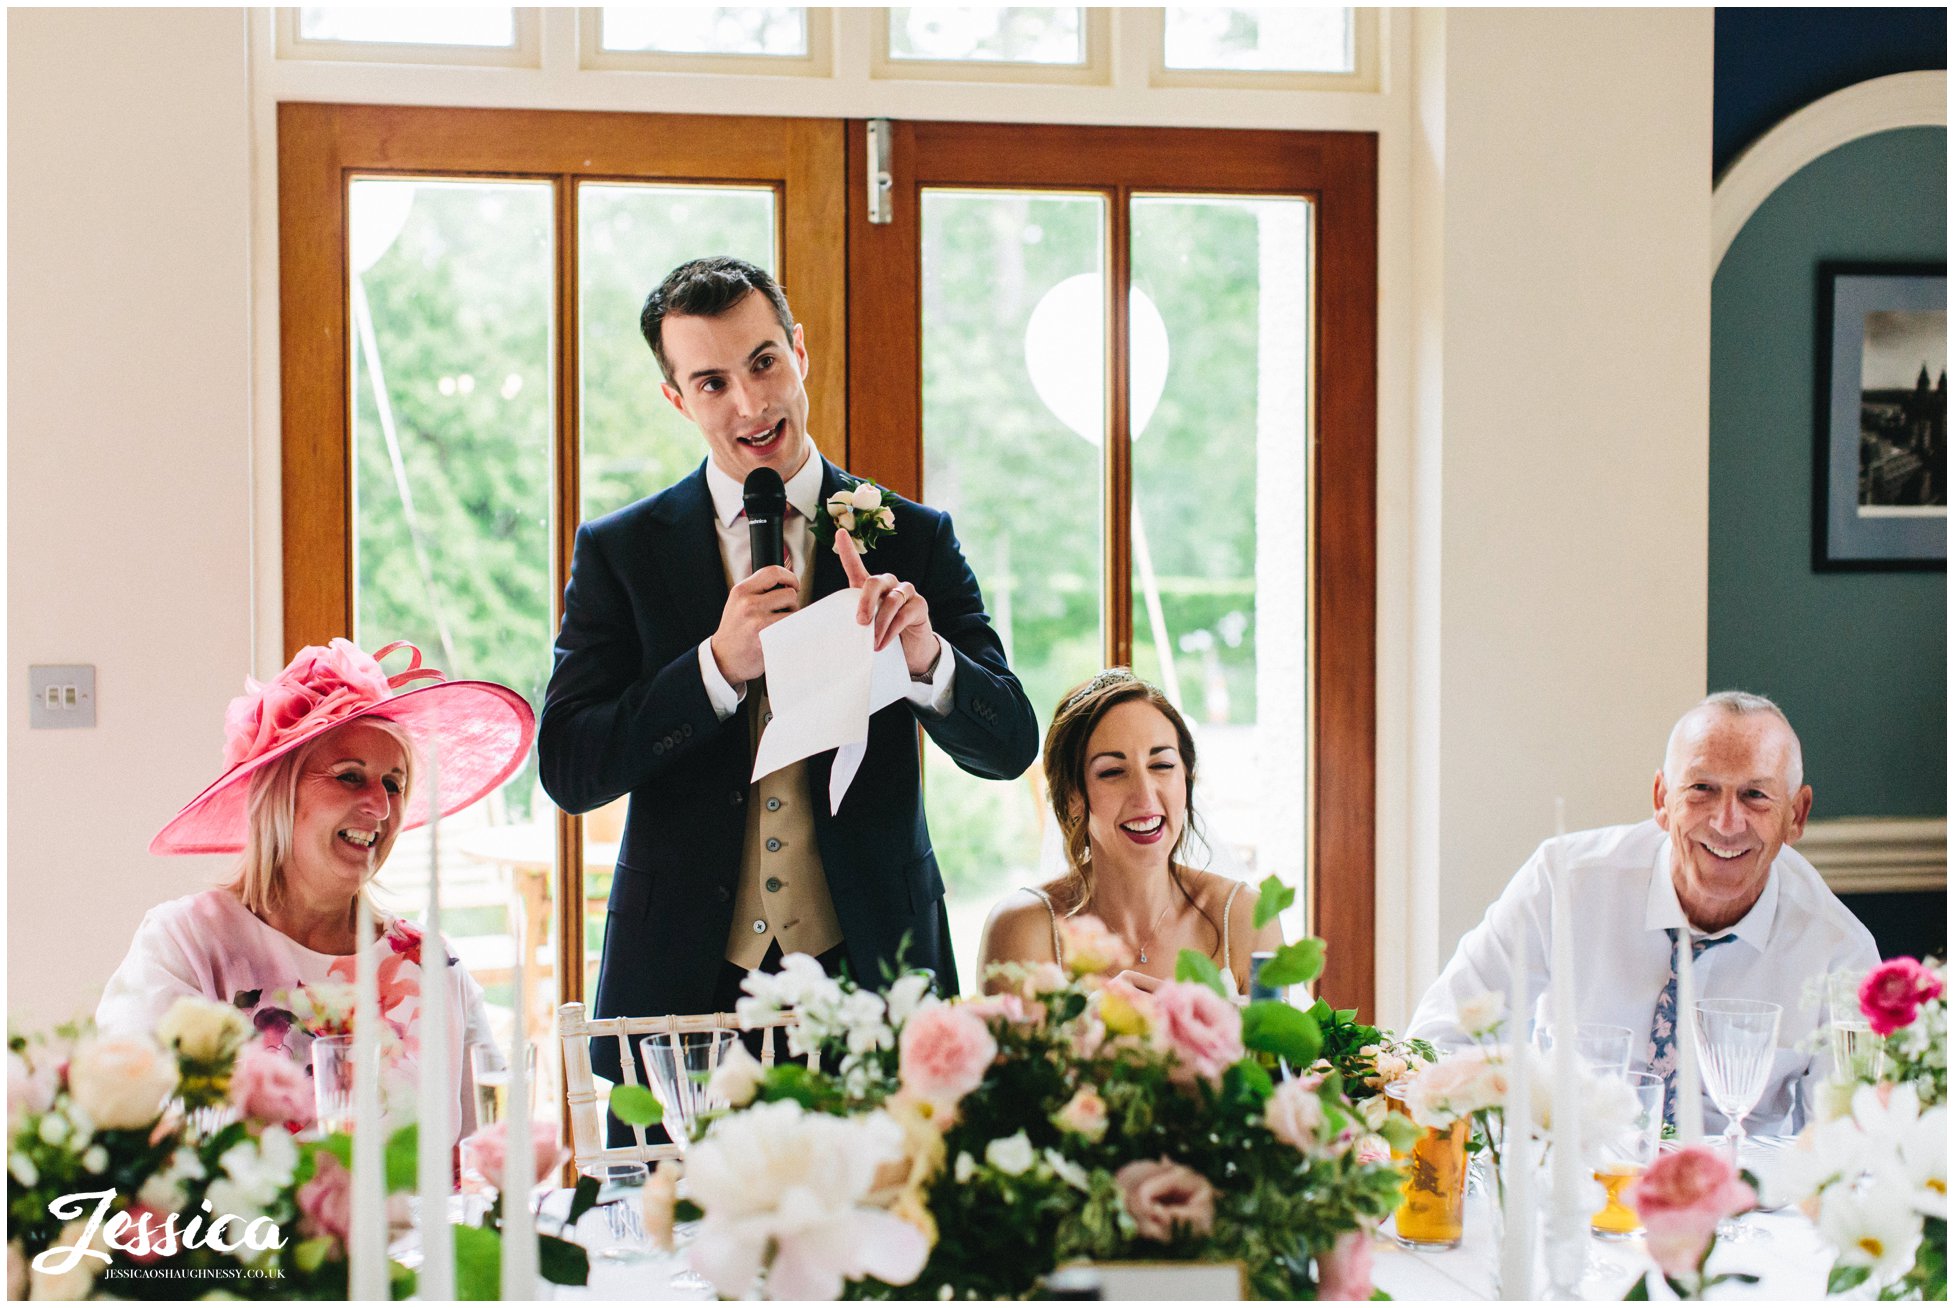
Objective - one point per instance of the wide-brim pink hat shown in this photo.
(469, 736)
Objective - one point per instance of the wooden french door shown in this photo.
(859, 288)
(1335, 285)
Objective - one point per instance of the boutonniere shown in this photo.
(862, 510)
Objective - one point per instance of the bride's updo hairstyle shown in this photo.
(1072, 726)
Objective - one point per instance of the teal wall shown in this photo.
(1857, 659)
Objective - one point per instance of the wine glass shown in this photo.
(619, 1211)
(1602, 1048)
(1736, 1041)
(679, 1065)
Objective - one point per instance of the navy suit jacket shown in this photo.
(626, 712)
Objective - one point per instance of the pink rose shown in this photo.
(1091, 947)
(487, 1151)
(1371, 1149)
(1006, 1007)
(1892, 993)
(1199, 1027)
(1084, 1114)
(1294, 1114)
(1343, 1271)
(1164, 1197)
(1681, 1198)
(270, 1087)
(944, 1052)
(326, 1201)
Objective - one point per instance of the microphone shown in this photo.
(766, 516)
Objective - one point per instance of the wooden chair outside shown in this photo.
(587, 1134)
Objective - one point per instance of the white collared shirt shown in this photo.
(931, 694)
(1623, 902)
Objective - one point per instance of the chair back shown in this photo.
(587, 1135)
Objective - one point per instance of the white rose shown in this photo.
(203, 1030)
(737, 1078)
(1068, 1171)
(1293, 1114)
(866, 497)
(846, 521)
(121, 1083)
(1482, 1012)
(1013, 1155)
(840, 501)
(54, 1129)
(886, 519)
(907, 995)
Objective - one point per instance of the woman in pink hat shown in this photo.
(324, 767)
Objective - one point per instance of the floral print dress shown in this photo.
(209, 944)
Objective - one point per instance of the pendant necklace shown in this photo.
(1156, 927)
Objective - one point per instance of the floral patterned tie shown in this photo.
(1662, 1026)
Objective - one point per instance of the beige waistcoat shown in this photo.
(783, 889)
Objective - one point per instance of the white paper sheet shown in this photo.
(824, 679)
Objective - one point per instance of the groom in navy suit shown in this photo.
(658, 689)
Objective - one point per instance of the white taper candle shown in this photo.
(1567, 1244)
(1517, 1247)
(519, 1254)
(438, 1077)
(366, 1254)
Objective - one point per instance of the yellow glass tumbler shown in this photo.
(1431, 1213)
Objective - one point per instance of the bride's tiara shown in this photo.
(1110, 677)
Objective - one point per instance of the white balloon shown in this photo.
(1065, 351)
(376, 212)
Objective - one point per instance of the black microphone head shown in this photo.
(765, 495)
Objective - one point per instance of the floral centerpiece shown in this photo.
(115, 1189)
(1874, 1176)
(966, 1149)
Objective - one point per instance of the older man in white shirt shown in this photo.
(1713, 864)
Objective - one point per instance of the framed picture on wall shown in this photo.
(1880, 462)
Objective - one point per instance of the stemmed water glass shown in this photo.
(1736, 1043)
(619, 1210)
(679, 1065)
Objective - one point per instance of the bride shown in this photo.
(1119, 762)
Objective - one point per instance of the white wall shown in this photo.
(128, 486)
(1565, 281)
(1544, 319)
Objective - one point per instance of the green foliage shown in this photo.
(636, 1106)
(1272, 1027)
(1294, 964)
(1193, 965)
(1272, 898)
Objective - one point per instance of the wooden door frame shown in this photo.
(322, 146)
(1338, 172)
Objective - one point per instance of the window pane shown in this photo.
(410, 25)
(1220, 483)
(628, 237)
(452, 431)
(1013, 397)
(1310, 40)
(1007, 35)
(706, 29)
(632, 441)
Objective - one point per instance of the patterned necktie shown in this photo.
(1662, 1026)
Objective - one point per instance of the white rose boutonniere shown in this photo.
(859, 508)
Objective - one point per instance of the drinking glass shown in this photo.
(332, 1082)
(491, 1074)
(1736, 1040)
(1602, 1048)
(1857, 1054)
(1431, 1214)
(679, 1066)
(1620, 1159)
(618, 1219)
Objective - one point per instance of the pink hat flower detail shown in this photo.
(324, 684)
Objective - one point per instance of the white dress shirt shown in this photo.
(1623, 902)
(930, 694)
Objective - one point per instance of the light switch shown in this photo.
(61, 695)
